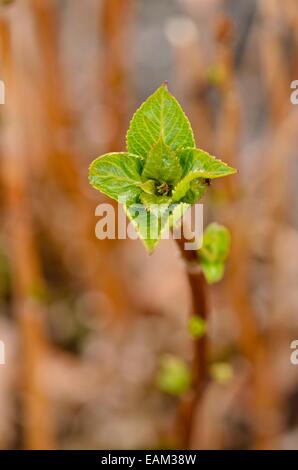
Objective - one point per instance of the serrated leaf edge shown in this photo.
(164, 86)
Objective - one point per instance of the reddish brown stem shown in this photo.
(199, 370)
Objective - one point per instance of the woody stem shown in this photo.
(199, 365)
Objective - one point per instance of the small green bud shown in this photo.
(197, 326)
(174, 375)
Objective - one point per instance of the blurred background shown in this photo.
(87, 323)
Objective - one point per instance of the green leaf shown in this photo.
(177, 211)
(214, 252)
(196, 191)
(197, 326)
(197, 167)
(197, 163)
(160, 116)
(213, 272)
(148, 187)
(182, 187)
(154, 217)
(162, 164)
(149, 224)
(150, 200)
(216, 243)
(189, 182)
(174, 375)
(118, 175)
(157, 205)
(161, 175)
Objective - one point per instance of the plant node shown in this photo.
(163, 189)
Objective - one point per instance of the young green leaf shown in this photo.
(197, 163)
(190, 181)
(214, 252)
(154, 218)
(151, 200)
(161, 174)
(197, 167)
(213, 272)
(117, 175)
(196, 191)
(162, 164)
(149, 224)
(216, 243)
(177, 211)
(160, 116)
(149, 187)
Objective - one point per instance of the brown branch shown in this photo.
(115, 18)
(37, 423)
(63, 164)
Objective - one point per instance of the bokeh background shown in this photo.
(86, 323)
